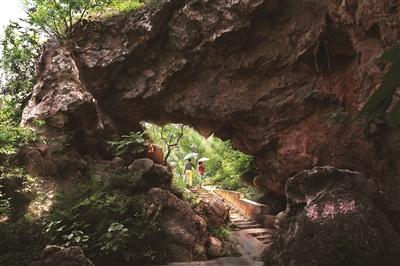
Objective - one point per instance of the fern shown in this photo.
(380, 101)
(133, 143)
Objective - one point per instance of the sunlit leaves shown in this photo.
(20, 48)
(225, 164)
(60, 17)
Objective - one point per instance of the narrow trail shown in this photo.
(250, 235)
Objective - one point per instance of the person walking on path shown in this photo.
(201, 170)
(189, 173)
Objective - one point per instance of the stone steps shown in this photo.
(262, 232)
(247, 226)
(267, 238)
(241, 223)
(249, 223)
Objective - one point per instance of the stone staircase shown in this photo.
(253, 228)
(241, 223)
(251, 236)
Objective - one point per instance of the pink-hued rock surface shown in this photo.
(330, 221)
(282, 79)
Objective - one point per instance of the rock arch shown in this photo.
(253, 71)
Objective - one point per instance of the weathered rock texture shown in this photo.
(150, 174)
(280, 78)
(214, 211)
(330, 221)
(59, 256)
(186, 232)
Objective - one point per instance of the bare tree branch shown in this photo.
(171, 146)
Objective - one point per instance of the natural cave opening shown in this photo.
(281, 80)
(214, 162)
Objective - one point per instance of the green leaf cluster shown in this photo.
(225, 165)
(108, 223)
(19, 49)
(15, 185)
(61, 18)
(12, 139)
(133, 143)
(380, 101)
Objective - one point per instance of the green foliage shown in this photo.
(16, 191)
(76, 238)
(19, 50)
(115, 239)
(221, 233)
(13, 138)
(229, 165)
(225, 165)
(133, 143)
(15, 185)
(60, 17)
(20, 241)
(168, 136)
(250, 192)
(116, 7)
(107, 223)
(380, 101)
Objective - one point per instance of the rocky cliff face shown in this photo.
(281, 79)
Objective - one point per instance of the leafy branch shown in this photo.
(171, 141)
(133, 143)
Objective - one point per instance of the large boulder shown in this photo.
(186, 231)
(52, 159)
(59, 256)
(150, 174)
(155, 153)
(214, 211)
(330, 220)
(215, 247)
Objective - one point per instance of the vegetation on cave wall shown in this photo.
(102, 219)
(106, 221)
(60, 18)
(22, 235)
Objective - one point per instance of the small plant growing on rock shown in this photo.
(221, 233)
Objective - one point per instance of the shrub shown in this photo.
(221, 233)
(107, 223)
(16, 187)
(20, 241)
(133, 143)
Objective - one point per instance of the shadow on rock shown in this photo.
(330, 220)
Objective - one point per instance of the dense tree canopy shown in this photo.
(20, 48)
